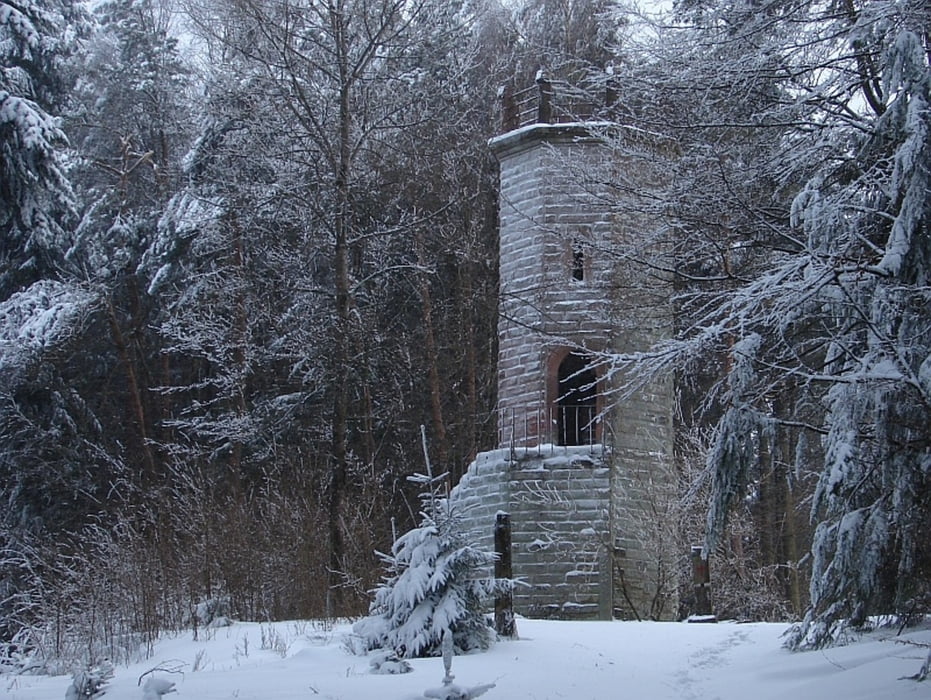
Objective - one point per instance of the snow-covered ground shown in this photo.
(575, 660)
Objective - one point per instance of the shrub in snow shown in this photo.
(387, 662)
(89, 683)
(436, 581)
(214, 612)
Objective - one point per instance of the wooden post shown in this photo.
(611, 97)
(510, 116)
(701, 581)
(545, 104)
(504, 602)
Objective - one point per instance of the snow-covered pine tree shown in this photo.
(436, 580)
(870, 553)
(130, 116)
(35, 38)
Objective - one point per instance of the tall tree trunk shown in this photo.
(768, 504)
(790, 543)
(240, 338)
(471, 369)
(433, 370)
(135, 393)
(338, 452)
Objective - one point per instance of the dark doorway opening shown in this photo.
(576, 405)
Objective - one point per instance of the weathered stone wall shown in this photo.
(644, 498)
(559, 502)
(588, 540)
(482, 492)
(643, 505)
(521, 247)
(560, 505)
(544, 211)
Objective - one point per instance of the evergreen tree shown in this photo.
(436, 581)
(227, 258)
(51, 468)
(816, 315)
(128, 123)
(868, 226)
(129, 127)
(36, 38)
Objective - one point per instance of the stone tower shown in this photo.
(586, 479)
(554, 287)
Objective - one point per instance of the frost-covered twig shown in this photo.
(925, 669)
(164, 667)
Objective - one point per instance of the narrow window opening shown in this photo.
(578, 260)
(576, 404)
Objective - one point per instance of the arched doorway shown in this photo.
(577, 395)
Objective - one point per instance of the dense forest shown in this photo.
(249, 247)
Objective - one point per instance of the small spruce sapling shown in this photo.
(436, 580)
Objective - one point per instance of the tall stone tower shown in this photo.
(555, 285)
(587, 478)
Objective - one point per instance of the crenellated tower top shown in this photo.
(551, 101)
